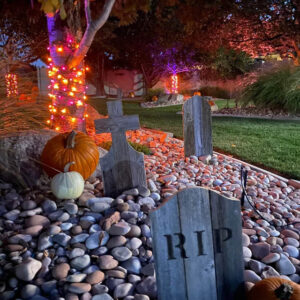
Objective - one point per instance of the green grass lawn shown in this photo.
(267, 143)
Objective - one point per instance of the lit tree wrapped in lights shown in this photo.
(68, 47)
(11, 82)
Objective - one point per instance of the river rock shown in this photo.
(120, 228)
(79, 287)
(95, 277)
(148, 287)
(284, 266)
(29, 291)
(123, 290)
(37, 220)
(102, 297)
(260, 250)
(60, 271)
(132, 265)
(121, 253)
(28, 269)
(81, 262)
(107, 262)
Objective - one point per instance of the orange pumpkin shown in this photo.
(67, 147)
(197, 93)
(154, 98)
(275, 288)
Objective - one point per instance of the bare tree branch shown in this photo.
(87, 10)
(108, 5)
(90, 32)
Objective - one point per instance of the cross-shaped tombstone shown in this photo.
(122, 167)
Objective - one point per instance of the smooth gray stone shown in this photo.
(76, 277)
(79, 238)
(120, 228)
(134, 243)
(99, 207)
(123, 290)
(284, 266)
(66, 226)
(94, 228)
(81, 262)
(90, 269)
(44, 242)
(132, 265)
(29, 290)
(146, 230)
(107, 200)
(61, 239)
(49, 206)
(113, 282)
(93, 241)
(28, 269)
(71, 208)
(99, 289)
(76, 252)
(148, 287)
(48, 286)
(102, 297)
(121, 253)
(147, 201)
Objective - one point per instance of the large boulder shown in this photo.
(170, 99)
(165, 100)
(16, 153)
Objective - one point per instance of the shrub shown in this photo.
(153, 92)
(135, 146)
(278, 89)
(18, 115)
(214, 91)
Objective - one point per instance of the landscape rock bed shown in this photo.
(257, 112)
(100, 248)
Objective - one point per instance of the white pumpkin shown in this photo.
(67, 185)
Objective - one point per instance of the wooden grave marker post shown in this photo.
(122, 167)
(197, 130)
(197, 245)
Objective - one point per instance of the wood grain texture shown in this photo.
(169, 273)
(197, 127)
(122, 167)
(194, 214)
(208, 269)
(226, 214)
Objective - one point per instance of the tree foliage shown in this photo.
(231, 63)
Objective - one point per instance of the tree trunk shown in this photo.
(67, 84)
(100, 76)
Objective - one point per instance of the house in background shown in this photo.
(128, 81)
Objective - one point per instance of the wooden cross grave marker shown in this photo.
(197, 246)
(122, 167)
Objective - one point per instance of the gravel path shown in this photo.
(100, 248)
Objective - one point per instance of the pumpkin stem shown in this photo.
(284, 292)
(67, 166)
(70, 142)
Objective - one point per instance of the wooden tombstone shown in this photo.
(122, 167)
(197, 244)
(197, 130)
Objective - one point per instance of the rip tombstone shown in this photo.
(122, 167)
(197, 130)
(197, 245)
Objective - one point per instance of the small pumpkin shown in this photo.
(275, 288)
(198, 93)
(72, 146)
(154, 98)
(67, 185)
